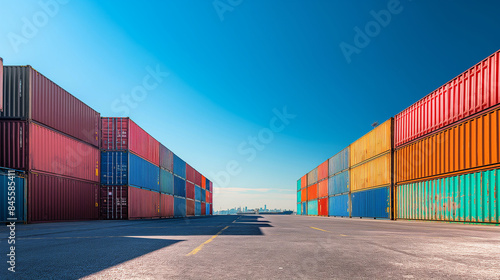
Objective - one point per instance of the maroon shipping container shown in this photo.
(190, 173)
(124, 134)
(190, 207)
(211, 210)
(31, 146)
(28, 95)
(114, 203)
(473, 91)
(55, 198)
(190, 190)
(203, 209)
(1, 84)
(166, 158)
(143, 203)
(166, 206)
(197, 178)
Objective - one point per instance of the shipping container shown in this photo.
(1, 84)
(374, 203)
(211, 186)
(166, 158)
(298, 184)
(197, 208)
(312, 208)
(190, 190)
(303, 182)
(166, 206)
(312, 177)
(31, 146)
(470, 144)
(56, 198)
(203, 209)
(143, 204)
(372, 174)
(204, 195)
(166, 182)
(473, 197)
(179, 207)
(207, 183)
(323, 206)
(339, 162)
(179, 167)
(299, 196)
(374, 143)
(190, 173)
(197, 178)
(211, 209)
(203, 182)
(339, 206)
(304, 208)
(299, 209)
(197, 193)
(13, 185)
(114, 202)
(339, 184)
(190, 207)
(312, 192)
(323, 188)
(471, 92)
(207, 211)
(28, 95)
(303, 195)
(323, 171)
(179, 187)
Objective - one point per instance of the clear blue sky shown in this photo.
(229, 68)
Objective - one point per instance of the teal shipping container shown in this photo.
(298, 197)
(339, 206)
(16, 195)
(299, 209)
(312, 207)
(473, 197)
(339, 184)
(373, 203)
(166, 182)
(299, 184)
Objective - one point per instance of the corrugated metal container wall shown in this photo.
(12, 182)
(304, 208)
(299, 197)
(303, 181)
(374, 203)
(298, 184)
(472, 197)
(339, 205)
(114, 168)
(312, 208)
(179, 207)
(323, 207)
(207, 183)
(14, 145)
(143, 174)
(166, 182)
(203, 182)
(323, 188)
(323, 171)
(470, 144)
(312, 177)
(190, 173)
(203, 209)
(114, 202)
(190, 207)
(312, 192)
(372, 174)
(179, 167)
(1, 84)
(339, 184)
(211, 209)
(28, 95)
(375, 142)
(197, 178)
(197, 193)
(55, 198)
(473, 91)
(166, 158)
(179, 187)
(114, 134)
(339, 162)
(190, 190)
(207, 211)
(303, 195)
(211, 186)
(197, 208)
(204, 195)
(299, 209)
(143, 203)
(166, 205)
(143, 144)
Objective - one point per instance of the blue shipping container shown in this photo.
(338, 162)
(207, 211)
(339, 183)
(179, 167)
(374, 203)
(197, 208)
(299, 209)
(179, 187)
(166, 182)
(197, 193)
(18, 184)
(179, 207)
(203, 195)
(114, 168)
(143, 174)
(304, 208)
(312, 207)
(339, 205)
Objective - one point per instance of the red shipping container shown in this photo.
(303, 195)
(207, 195)
(312, 192)
(211, 209)
(114, 203)
(31, 146)
(303, 181)
(190, 190)
(28, 95)
(203, 182)
(203, 209)
(166, 158)
(211, 187)
(143, 203)
(197, 178)
(323, 171)
(124, 134)
(190, 207)
(323, 207)
(473, 91)
(323, 188)
(190, 173)
(166, 205)
(55, 198)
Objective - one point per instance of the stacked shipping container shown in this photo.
(338, 184)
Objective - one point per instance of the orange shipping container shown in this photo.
(372, 174)
(375, 142)
(323, 171)
(323, 188)
(203, 182)
(303, 182)
(303, 195)
(312, 192)
(472, 144)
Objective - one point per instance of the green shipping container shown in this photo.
(299, 184)
(473, 197)
(312, 208)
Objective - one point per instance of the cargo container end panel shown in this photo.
(17, 181)
(143, 204)
(312, 208)
(197, 193)
(114, 168)
(14, 145)
(143, 174)
(374, 203)
(471, 92)
(339, 162)
(114, 202)
(179, 187)
(312, 192)
(114, 133)
(339, 206)
(472, 197)
(339, 184)
(303, 195)
(303, 181)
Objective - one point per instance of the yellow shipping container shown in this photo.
(372, 174)
(374, 143)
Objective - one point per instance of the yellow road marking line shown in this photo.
(197, 249)
(325, 230)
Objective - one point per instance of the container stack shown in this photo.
(448, 150)
(312, 192)
(51, 138)
(339, 197)
(302, 195)
(166, 182)
(323, 189)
